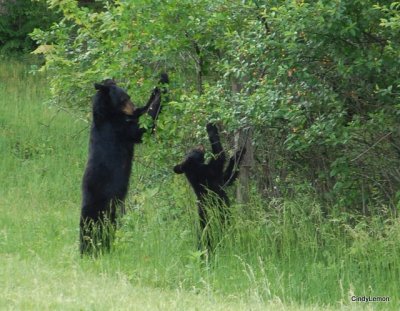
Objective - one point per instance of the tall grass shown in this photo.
(273, 255)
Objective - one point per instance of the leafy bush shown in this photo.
(317, 81)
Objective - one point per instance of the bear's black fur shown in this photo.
(209, 180)
(114, 131)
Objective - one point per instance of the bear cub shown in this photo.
(209, 181)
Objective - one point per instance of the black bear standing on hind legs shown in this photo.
(114, 131)
(209, 180)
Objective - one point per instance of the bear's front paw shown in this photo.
(211, 128)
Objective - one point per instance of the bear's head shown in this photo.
(113, 100)
(192, 160)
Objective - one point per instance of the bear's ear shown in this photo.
(101, 87)
(178, 169)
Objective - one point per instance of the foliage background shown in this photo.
(316, 81)
(18, 18)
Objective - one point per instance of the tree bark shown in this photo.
(243, 138)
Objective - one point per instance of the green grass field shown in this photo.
(281, 255)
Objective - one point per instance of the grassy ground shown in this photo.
(277, 256)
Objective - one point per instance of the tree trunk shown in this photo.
(243, 138)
